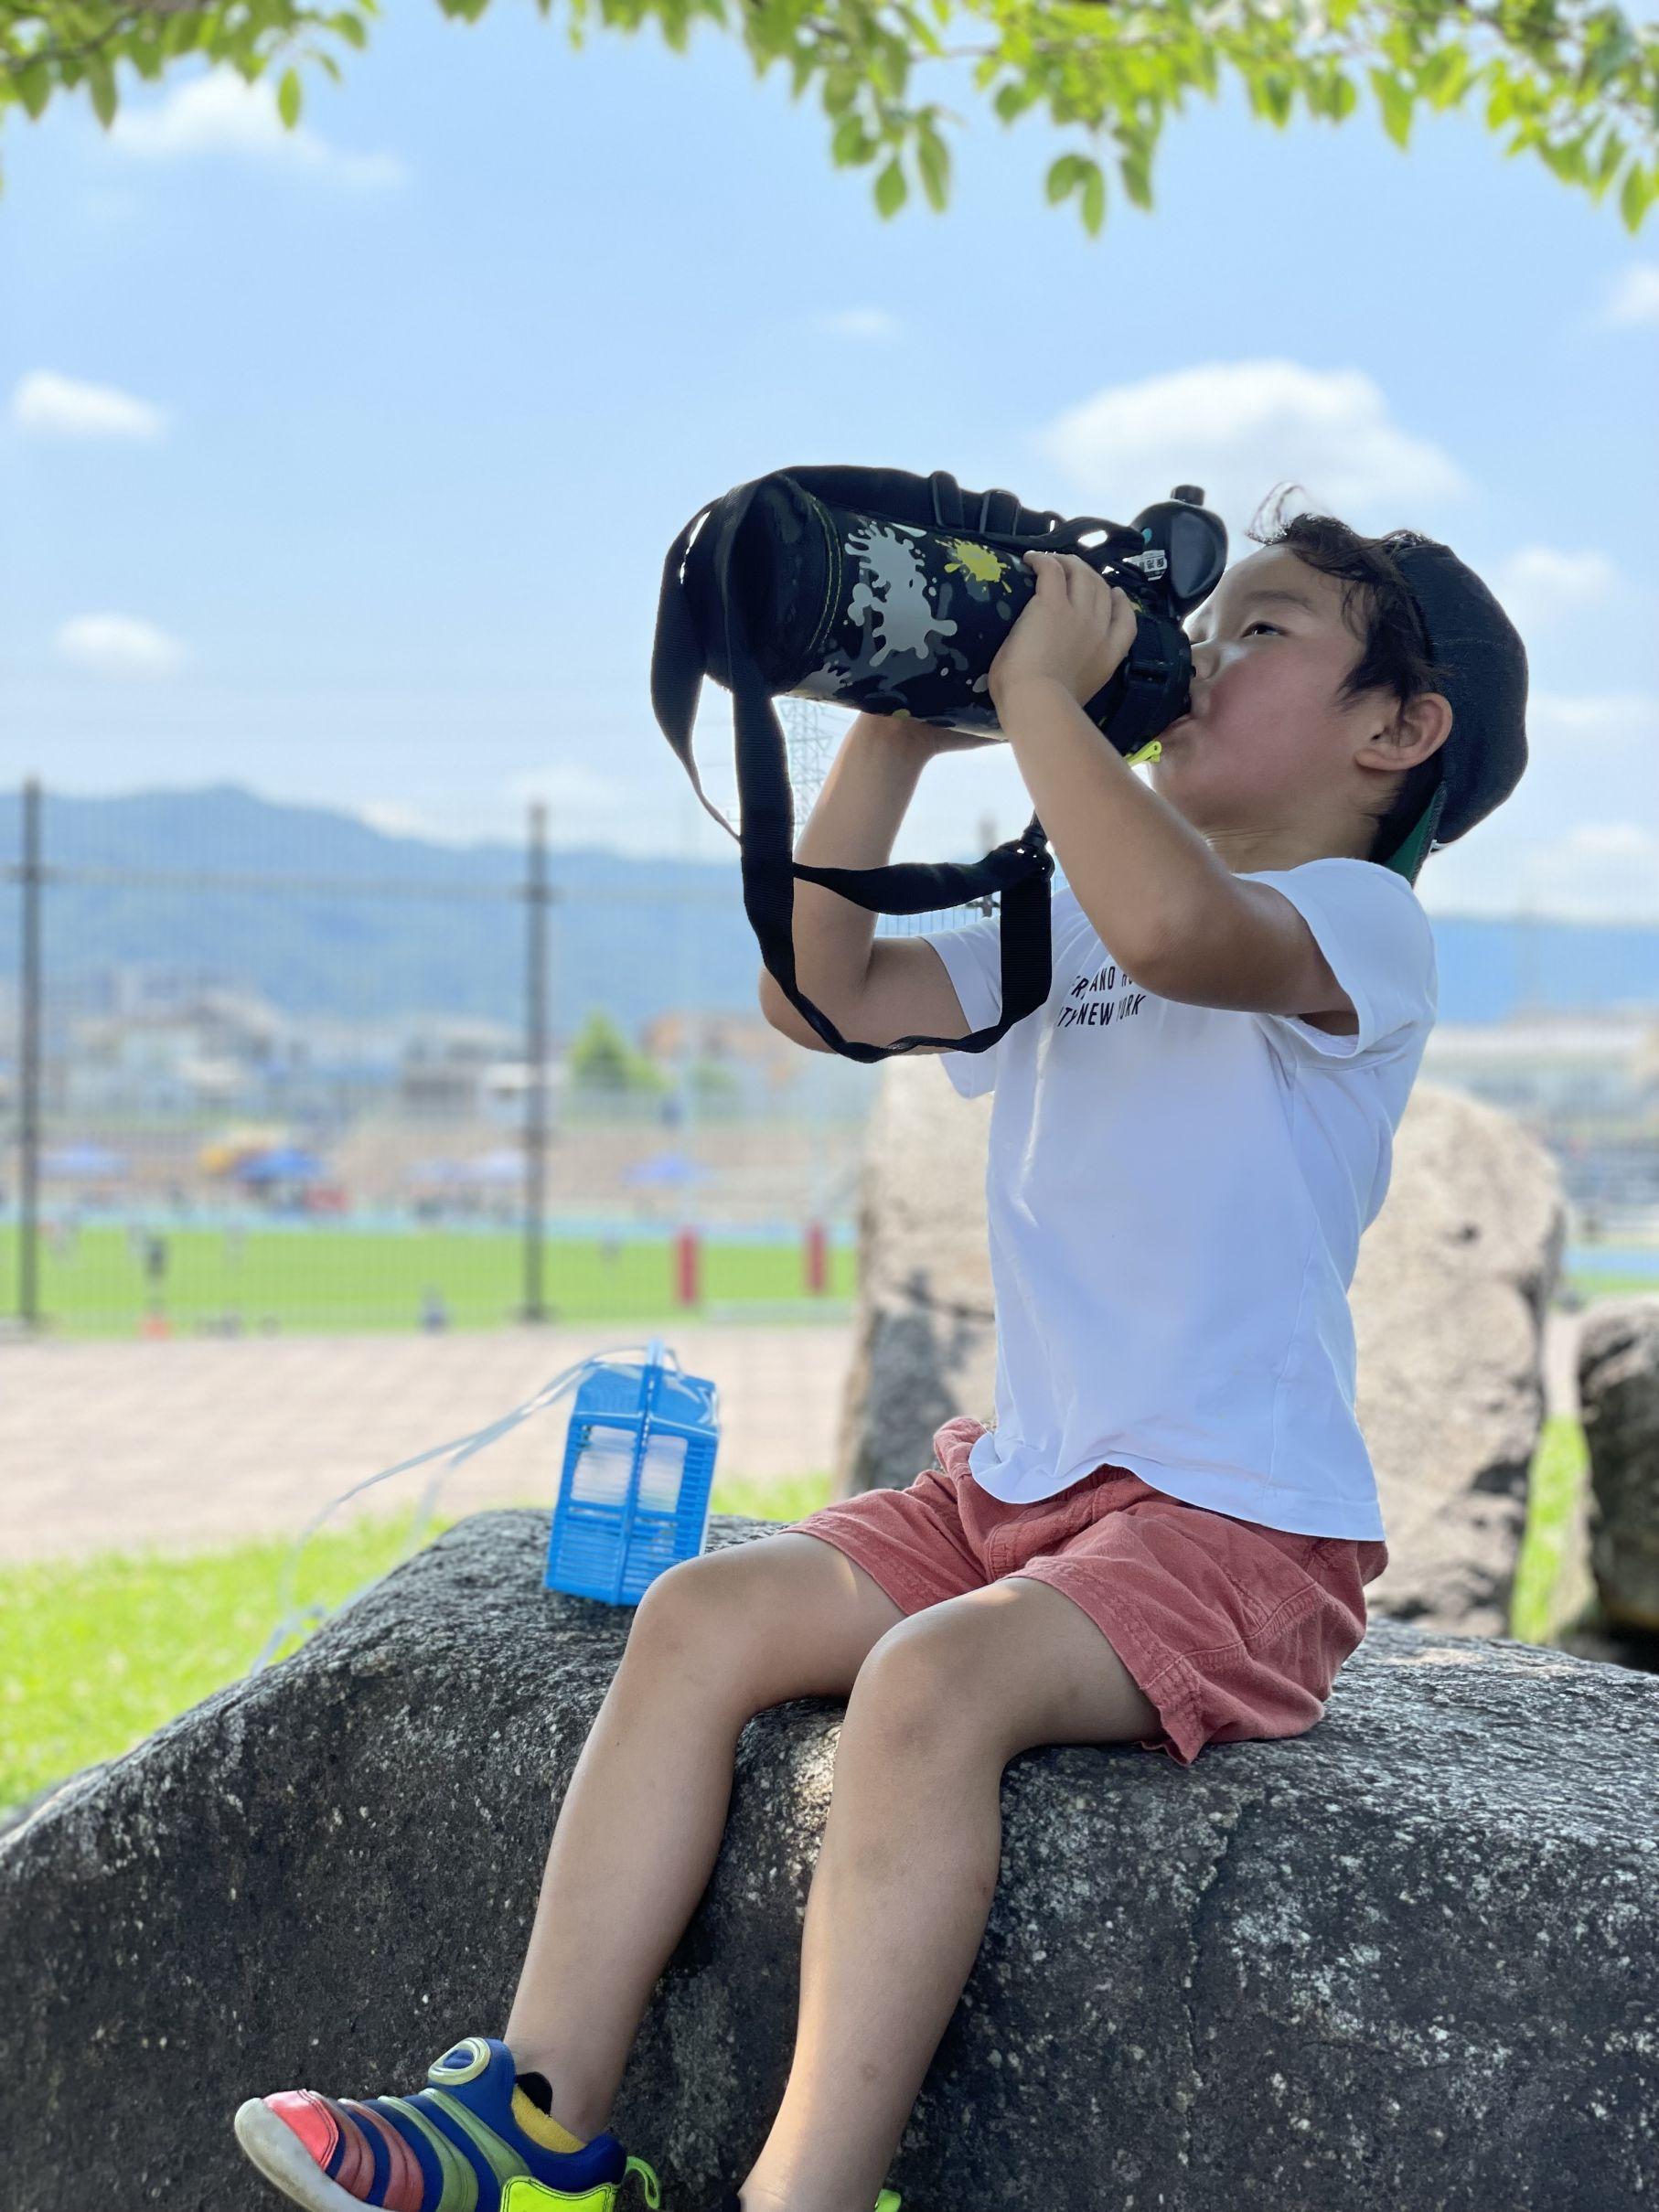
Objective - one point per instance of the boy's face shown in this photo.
(1266, 746)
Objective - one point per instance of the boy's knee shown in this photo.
(710, 1615)
(907, 1697)
(687, 1606)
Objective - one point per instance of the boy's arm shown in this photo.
(1260, 957)
(1170, 912)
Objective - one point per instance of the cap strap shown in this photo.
(1412, 854)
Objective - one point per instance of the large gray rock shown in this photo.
(1405, 1962)
(924, 1338)
(1449, 1298)
(1619, 1405)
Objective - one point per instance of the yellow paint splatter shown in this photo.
(980, 562)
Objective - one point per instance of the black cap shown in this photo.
(1486, 751)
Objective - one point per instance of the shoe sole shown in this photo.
(271, 2144)
(280, 2156)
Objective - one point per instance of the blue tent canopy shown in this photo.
(282, 1163)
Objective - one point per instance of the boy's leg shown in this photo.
(909, 1863)
(712, 1642)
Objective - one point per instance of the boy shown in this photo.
(1165, 1539)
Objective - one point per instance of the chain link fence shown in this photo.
(238, 1094)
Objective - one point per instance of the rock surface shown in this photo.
(1405, 1962)
(924, 1335)
(1449, 1297)
(1618, 1401)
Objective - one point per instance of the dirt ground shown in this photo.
(193, 1442)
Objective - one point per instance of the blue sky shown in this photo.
(344, 465)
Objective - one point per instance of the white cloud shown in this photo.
(395, 818)
(1239, 428)
(1605, 871)
(1592, 720)
(1541, 583)
(118, 645)
(857, 323)
(218, 113)
(640, 816)
(392, 818)
(59, 407)
(1633, 300)
(1600, 871)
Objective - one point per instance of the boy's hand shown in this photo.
(1075, 630)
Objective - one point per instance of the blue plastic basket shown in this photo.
(638, 1469)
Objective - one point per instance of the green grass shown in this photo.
(317, 1276)
(1560, 1467)
(313, 1276)
(96, 1654)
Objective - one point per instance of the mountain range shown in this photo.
(349, 921)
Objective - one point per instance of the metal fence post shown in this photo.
(28, 1069)
(537, 895)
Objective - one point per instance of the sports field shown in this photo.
(327, 1276)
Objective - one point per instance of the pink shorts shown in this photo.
(1232, 1630)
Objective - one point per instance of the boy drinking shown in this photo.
(1166, 1538)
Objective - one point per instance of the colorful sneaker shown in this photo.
(456, 2145)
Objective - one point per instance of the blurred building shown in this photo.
(1555, 1067)
(460, 1069)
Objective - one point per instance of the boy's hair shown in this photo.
(1396, 655)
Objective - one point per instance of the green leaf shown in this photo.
(933, 158)
(288, 97)
(33, 86)
(891, 189)
(1566, 162)
(1636, 197)
(841, 89)
(100, 84)
(1344, 96)
(890, 66)
(1612, 154)
(1093, 198)
(851, 143)
(350, 29)
(181, 32)
(1135, 170)
(1395, 102)
(1062, 176)
(1443, 76)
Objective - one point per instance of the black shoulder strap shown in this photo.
(1020, 870)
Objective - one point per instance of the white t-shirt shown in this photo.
(1175, 1196)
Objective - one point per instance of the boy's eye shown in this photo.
(1248, 627)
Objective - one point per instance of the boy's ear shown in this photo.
(1424, 724)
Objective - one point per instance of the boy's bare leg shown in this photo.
(909, 1863)
(712, 1642)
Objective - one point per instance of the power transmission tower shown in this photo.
(810, 743)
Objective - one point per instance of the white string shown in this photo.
(463, 1447)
